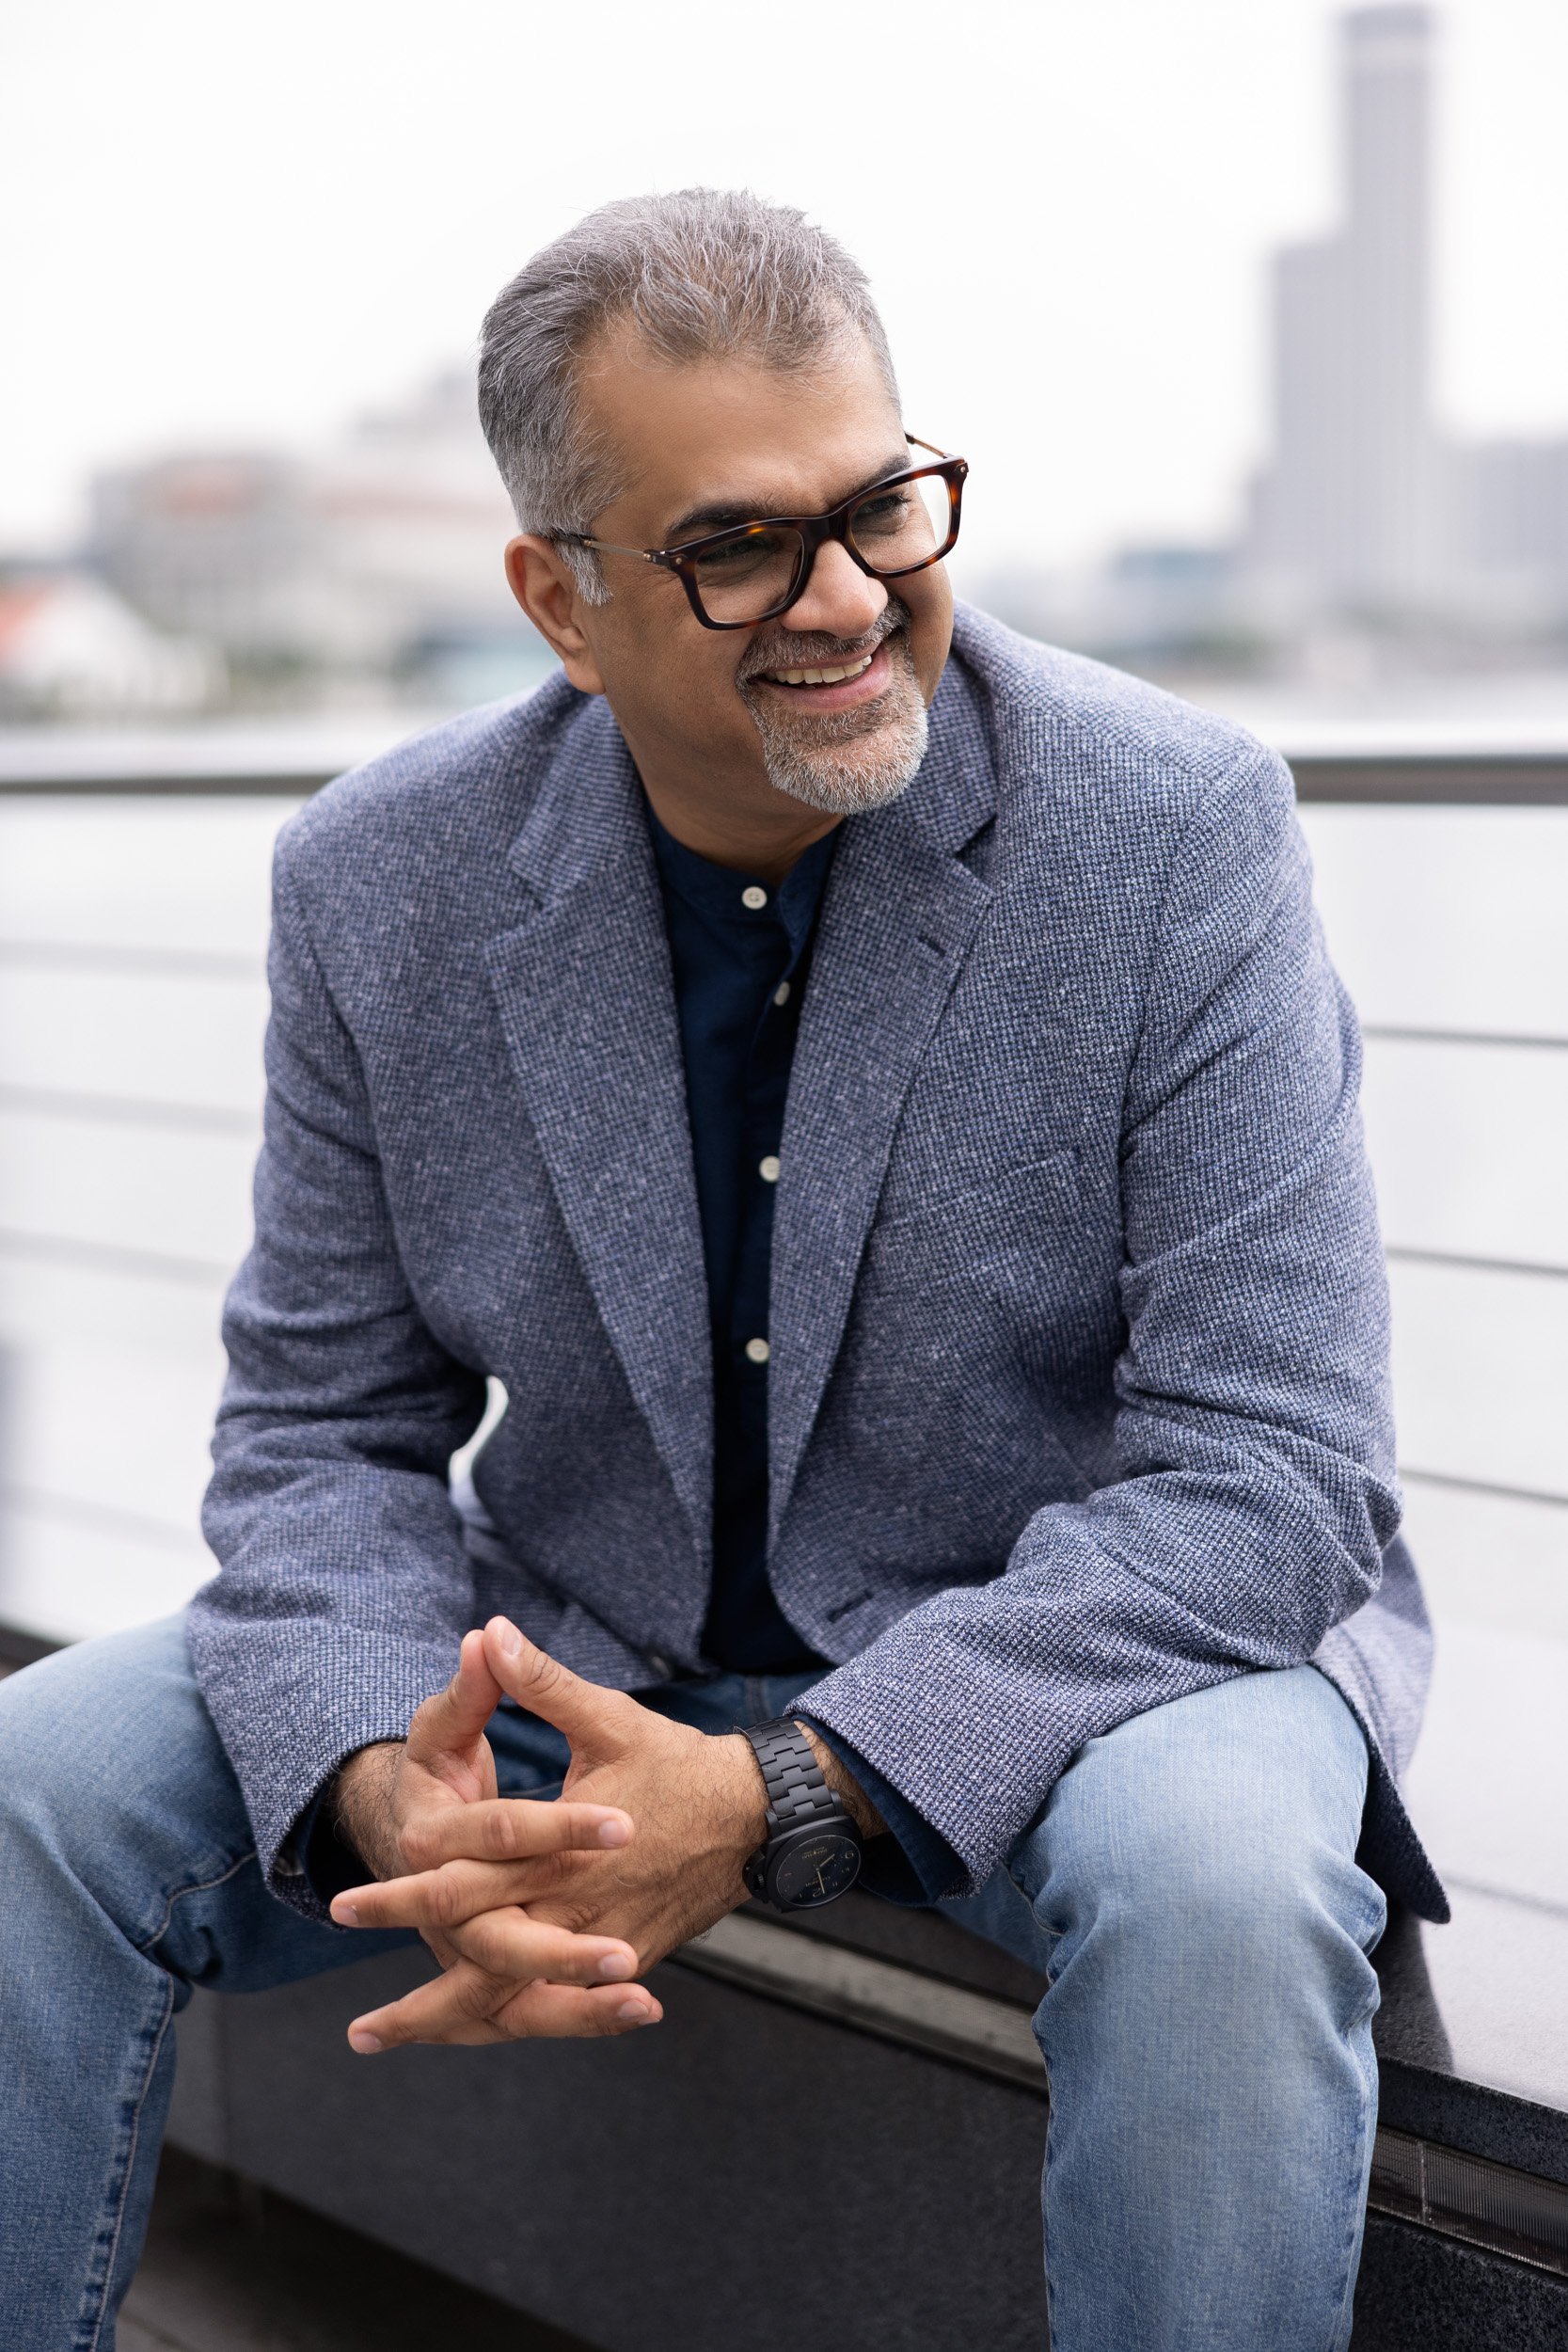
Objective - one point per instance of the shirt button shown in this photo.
(757, 1351)
(780, 994)
(768, 1169)
(754, 896)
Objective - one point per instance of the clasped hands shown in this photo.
(542, 1914)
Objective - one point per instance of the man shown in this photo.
(872, 1093)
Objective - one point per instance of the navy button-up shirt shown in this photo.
(740, 953)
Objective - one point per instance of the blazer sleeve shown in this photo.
(344, 1588)
(1254, 1492)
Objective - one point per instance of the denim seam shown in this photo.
(200, 1886)
(197, 1886)
(128, 2171)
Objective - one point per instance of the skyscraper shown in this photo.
(1348, 511)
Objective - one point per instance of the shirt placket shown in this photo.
(766, 1087)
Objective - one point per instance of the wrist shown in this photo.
(745, 1793)
(846, 1787)
(360, 1803)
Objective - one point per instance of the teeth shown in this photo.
(820, 677)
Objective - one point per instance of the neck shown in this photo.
(761, 839)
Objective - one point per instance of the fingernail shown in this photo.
(345, 1914)
(633, 2013)
(613, 1833)
(511, 1640)
(366, 2043)
(617, 1967)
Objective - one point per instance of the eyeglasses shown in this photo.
(753, 572)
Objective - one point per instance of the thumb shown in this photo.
(451, 1720)
(585, 1712)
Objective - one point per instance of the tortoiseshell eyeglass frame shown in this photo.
(813, 530)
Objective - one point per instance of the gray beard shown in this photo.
(813, 763)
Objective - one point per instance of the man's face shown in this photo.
(729, 440)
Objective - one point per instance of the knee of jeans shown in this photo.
(1209, 1832)
(86, 1743)
(1206, 1887)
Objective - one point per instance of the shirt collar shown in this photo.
(718, 893)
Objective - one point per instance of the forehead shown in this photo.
(732, 434)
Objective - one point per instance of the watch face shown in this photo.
(815, 1869)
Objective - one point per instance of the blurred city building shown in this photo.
(1364, 505)
(1372, 544)
(70, 648)
(375, 563)
(1350, 508)
(1366, 527)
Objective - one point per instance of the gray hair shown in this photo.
(703, 273)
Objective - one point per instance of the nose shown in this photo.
(839, 600)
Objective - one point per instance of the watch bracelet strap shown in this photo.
(791, 1774)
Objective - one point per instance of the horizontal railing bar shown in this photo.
(175, 963)
(1470, 778)
(1542, 1268)
(1419, 1477)
(107, 1517)
(163, 784)
(98, 1257)
(1505, 1894)
(126, 1110)
(1436, 779)
(1404, 1034)
(204, 964)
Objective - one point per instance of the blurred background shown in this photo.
(1251, 318)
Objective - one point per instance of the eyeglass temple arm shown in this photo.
(607, 546)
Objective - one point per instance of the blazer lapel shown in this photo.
(586, 1002)
(897, 924)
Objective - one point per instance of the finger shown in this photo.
(512, 1946)
(562, 2010)
(437, 1899)
(456, 1717)
(498, 1935)
(466, 2006)
(585, 1712)
(514, 1829)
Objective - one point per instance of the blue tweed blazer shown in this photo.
(1079, 1392)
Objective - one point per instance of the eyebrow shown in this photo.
(721, 514)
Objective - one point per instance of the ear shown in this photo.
(539, 578)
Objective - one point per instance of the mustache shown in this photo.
(813, 649)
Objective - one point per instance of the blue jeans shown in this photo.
(1191, 1888)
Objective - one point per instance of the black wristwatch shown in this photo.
(812, 1851)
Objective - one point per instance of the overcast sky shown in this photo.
(229, 222)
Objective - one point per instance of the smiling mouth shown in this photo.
(826, 677)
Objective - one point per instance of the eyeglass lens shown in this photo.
(891, 530)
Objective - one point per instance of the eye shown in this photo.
(887, 511)
(742, 554)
